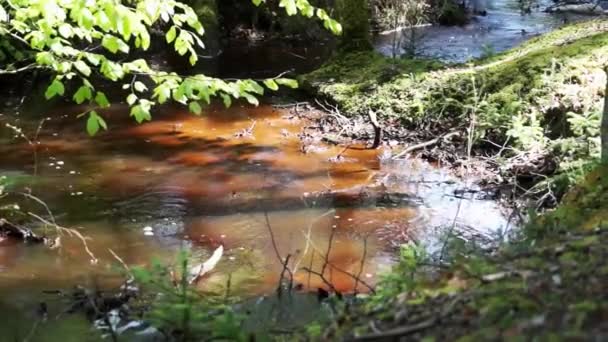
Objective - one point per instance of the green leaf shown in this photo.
(195, 108)
(257, 2)
(171, 34)
(227, 100)
(66, 31)
(140, 113)
(289, 5)
(92, 125)
(193, 59)
(55, 88)
(102, 100)
(288, 82)
(162, 92)
(140, 87)
(114, 44)
(82, 67)
(251, 99)
(131, 99)
(3, 15)
(94, 122)
(271, 84)
(83, 94)
(93, 58)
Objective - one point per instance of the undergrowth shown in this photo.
(544, 94)
(547, 284)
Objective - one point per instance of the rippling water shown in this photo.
(502, 28)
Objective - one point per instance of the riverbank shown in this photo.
(534, 109)
(547, 284)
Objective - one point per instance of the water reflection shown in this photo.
(238, 177)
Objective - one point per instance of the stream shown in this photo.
(242, 178)
(502, 28)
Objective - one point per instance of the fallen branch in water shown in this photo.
(71, 232)
(9, 229)
(425, 144)
(290, 105)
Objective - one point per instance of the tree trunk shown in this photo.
(604, 125)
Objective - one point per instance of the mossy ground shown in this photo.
(532, 93)
(535, 109)
(550, 284)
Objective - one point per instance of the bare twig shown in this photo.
(425, 144)
(284, 263)
(122, 262)
(400, 331)
(70, 232)
(362, 263)
(285, 269)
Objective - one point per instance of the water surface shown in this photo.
(254, 180)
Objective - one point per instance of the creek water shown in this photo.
(235, 177)
(503, 27)
(252, 179)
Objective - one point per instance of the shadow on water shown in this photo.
(242, 178)
(235, 177)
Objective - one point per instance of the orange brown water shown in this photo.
(238, 177)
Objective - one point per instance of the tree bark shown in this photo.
(604, 124)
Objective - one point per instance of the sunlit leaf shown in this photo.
(288, 82)
(55, 88)
(82, 94)
(195, 107)
(271, 84)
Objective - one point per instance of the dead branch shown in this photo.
(400, 331)
(284, 263)
(290, 105)
(322, 277)
(425, 144)
(377, 128)
(362, 263)
(71, 232)
(285, 269)
(20, 233)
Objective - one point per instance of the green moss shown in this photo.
(584, 208)
(517, 88)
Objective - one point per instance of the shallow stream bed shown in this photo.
(251, 179)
